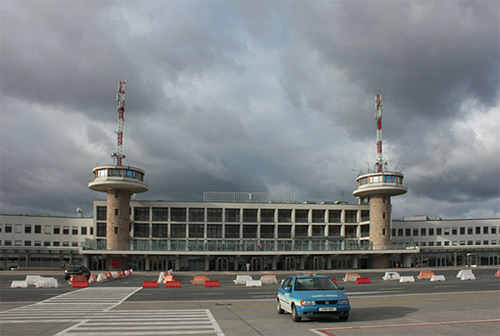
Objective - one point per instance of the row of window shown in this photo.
(454, 231)
(380, 179)
(458, 243)
(237, 231)
(237, 215)
(119, 173)
(47, 229)
(38, 243)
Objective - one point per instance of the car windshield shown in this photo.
(74, 268)
(315, 284)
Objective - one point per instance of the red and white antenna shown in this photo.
(120, 100)
(378, 116)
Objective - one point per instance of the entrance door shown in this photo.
(319, 263)
(256, 264)
(290, 264)
(222, 264)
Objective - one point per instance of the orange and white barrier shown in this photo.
(425, 275)
(497, 274)
(351, 277)
(200, 279)
(268, 279)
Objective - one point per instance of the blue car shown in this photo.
(312, 296)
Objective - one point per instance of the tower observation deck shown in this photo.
(119, 182)
(377, 188)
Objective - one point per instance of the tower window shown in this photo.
(383, 215)
(116, 212)
(383, 232)
(116, 229)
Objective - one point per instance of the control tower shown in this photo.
(119, 182)
(377, 188)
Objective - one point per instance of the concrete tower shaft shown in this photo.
(118, 220)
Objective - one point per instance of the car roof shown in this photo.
(305, 276)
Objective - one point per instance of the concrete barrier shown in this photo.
(254, 283)
(200, 279)
(351, 277)
(47, 283)
(173, 284)
(466, 275)
(391, 276)
(363, 281)
(32, 279)
(438, 278)
(149, 284)
(268, 279)
(80, 284)
(425, 275)
(497, 274)
(212, 283)
(19, 284)
(407, 279)
(242, 279)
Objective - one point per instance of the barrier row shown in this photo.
(167, 279)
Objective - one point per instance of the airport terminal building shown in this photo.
(226, 231)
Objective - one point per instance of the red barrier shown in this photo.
(212, 283)
(363, 281)
(334, 280)
(172, 284)
(80, 283)
(149, 284)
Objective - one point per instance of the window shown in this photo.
(301, 216)
(493, 230)
(160, 231)
(267, 215)
(351, 216)
(470, 230)
(57, 230)
(415, 232)
(318, 216)
(335, 230)
(141, 230)
(431, 243)
(73, 244)
(19, 228)
(431, 231)
(250, 215)
(8, 243)
(438, 243)
(232, 231)
(267, 231)
(423, 232)
(446, 243)
(66, 230)
(408, 232)
(65, 243)
(46, 243)
(74, 230)
(8, 228)
(485, 230)
(27, 229)
(37, 243)
(116, 229)
(214, 230)
(56, 243)
(318, 230)
(478, 230)
(462, 230)
(470, 242)
(301, 230)
(83, 230)
(141, 213)
(478, 242)
(400, 232)
(446, 231)
(47, 229)
(249, 231)
(439, 231)
(27, 243)
(214, 215)
(232, 215)
(101, 230)
(178, 215)
(284, 231)
(101, 213)
(196, 231)
(485, 242)
(284, 216)
(334, 216)
(196, 215)
(116, 212)
(365, 215)
(454, 231)
(462, 242)
(177, 230)
(350, 231)
(160, 214)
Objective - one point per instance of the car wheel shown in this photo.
(295, 315)
(344, 318)
(278, 308)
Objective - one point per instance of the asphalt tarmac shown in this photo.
(122, 307)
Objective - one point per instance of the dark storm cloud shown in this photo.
(251, 96)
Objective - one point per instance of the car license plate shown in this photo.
(328, 309)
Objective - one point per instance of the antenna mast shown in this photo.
(378, 116)
(120, 100)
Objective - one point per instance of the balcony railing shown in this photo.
(245, 245)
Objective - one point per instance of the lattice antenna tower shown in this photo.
(379, 165)
(120, 101)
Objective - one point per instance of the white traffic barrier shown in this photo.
(254, 283)
(47, 283)
(242, 279)
(407, 279)
(100, 277)
(19, 284)
(391, 276)
(268, 279)
(32, 279)
(437, 278)
(115, 275)
(466, 275)
(161, 277)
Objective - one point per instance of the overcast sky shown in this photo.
(253, 96)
